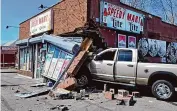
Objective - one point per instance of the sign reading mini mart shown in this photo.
(41, 23)
(116, 17)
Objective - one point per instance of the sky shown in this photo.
(16, 11)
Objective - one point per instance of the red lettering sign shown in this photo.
(123, 19)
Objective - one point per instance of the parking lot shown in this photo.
(12, 83)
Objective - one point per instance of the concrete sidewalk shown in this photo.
(8, 70)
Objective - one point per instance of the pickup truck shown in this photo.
(125, 66)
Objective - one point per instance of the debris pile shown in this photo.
(60, 93)
(69, 83)
(60, 107)
(32, 94)
(123, 97)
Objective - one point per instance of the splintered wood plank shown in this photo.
(76, 64)
(80, 58)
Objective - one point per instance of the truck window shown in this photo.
(125, 55)
(108, 55)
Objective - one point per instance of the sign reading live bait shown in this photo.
(122, 19)
(41, 23)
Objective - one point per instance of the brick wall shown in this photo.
(24, 31)
(67, 15)
(74, 15)
(109, 37)
(169, 32)
(161, 30)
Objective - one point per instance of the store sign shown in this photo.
(116, 17)
(121, 41)
(41, 23)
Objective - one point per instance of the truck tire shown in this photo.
(82, 80)
(83, 77)
(163, 90)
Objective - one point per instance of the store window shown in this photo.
(25, 58)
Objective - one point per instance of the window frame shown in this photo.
(108, 50)
(25, 58)
(118, 53)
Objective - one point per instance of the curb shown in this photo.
(9, 72)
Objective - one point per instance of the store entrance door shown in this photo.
(40, 55)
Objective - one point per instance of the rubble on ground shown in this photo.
(38, 85)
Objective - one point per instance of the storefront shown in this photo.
(43, 55)
(32, 55)
(119, 25)
(46, 55)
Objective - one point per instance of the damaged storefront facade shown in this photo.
(46, 55)
(118, 25)
(41, 52)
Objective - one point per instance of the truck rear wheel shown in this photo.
(163, 90)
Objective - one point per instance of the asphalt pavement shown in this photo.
(12, 83)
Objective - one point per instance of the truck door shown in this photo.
(102, 65)
(125, 66)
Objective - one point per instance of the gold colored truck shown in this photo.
(124, 66)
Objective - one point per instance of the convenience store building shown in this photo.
(119, 25)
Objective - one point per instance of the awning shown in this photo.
(64, 43)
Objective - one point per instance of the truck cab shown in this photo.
(103, 66)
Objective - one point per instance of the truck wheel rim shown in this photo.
(82, 80)
(163, 91)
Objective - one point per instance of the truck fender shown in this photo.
(162, 74)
